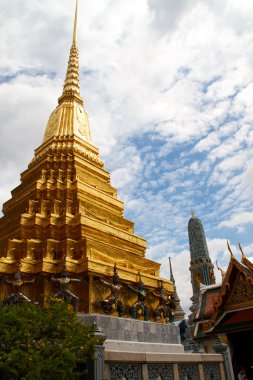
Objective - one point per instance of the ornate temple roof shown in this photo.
(236, 292)
(228, 306)
(207, 297)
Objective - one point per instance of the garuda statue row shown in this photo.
(165, 308)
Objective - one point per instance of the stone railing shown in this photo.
(154, 366)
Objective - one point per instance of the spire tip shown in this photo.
(193, 213)
(171, 273)
(75, 24)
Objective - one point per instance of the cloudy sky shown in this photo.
(168, 85)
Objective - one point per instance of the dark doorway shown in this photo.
(241, 345)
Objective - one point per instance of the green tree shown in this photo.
(43, 343)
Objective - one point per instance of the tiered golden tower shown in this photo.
(65, 215)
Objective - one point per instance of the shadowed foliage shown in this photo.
(43, 343)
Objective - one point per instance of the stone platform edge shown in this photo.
(138, 357)
(142, 347)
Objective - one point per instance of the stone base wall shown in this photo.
(136, 366)
(125, 329)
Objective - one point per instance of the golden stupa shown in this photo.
(65, 215)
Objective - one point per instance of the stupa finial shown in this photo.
(193, 213)
(75, 25)
(72, 81)
(68, 119)
(171, 273)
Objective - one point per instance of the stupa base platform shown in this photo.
(128, 331)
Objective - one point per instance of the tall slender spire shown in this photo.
(179, 312)
(70, 118)
(75, 24)
(201, 267)
(72, 81)
(171, 273)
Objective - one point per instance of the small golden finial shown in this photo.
(223, 273)
(231, 253)
(243, 255)
(75, 25)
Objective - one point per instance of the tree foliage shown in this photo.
(43, 343)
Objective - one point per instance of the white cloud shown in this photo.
(238, 220)
(208, 142)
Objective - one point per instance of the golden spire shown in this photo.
(72, 81)
(70, 117)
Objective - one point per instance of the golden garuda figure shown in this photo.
(140, 304)
(114, 297)
(64, 293)
(166, 306)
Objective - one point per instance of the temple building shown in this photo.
(222, 313)
(66, 220)
(227, 311)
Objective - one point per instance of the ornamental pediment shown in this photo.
(241, 293)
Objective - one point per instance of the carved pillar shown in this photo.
(201, 372)
(175, 371)
(222, 348)
(96, 366)
(144, 369)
